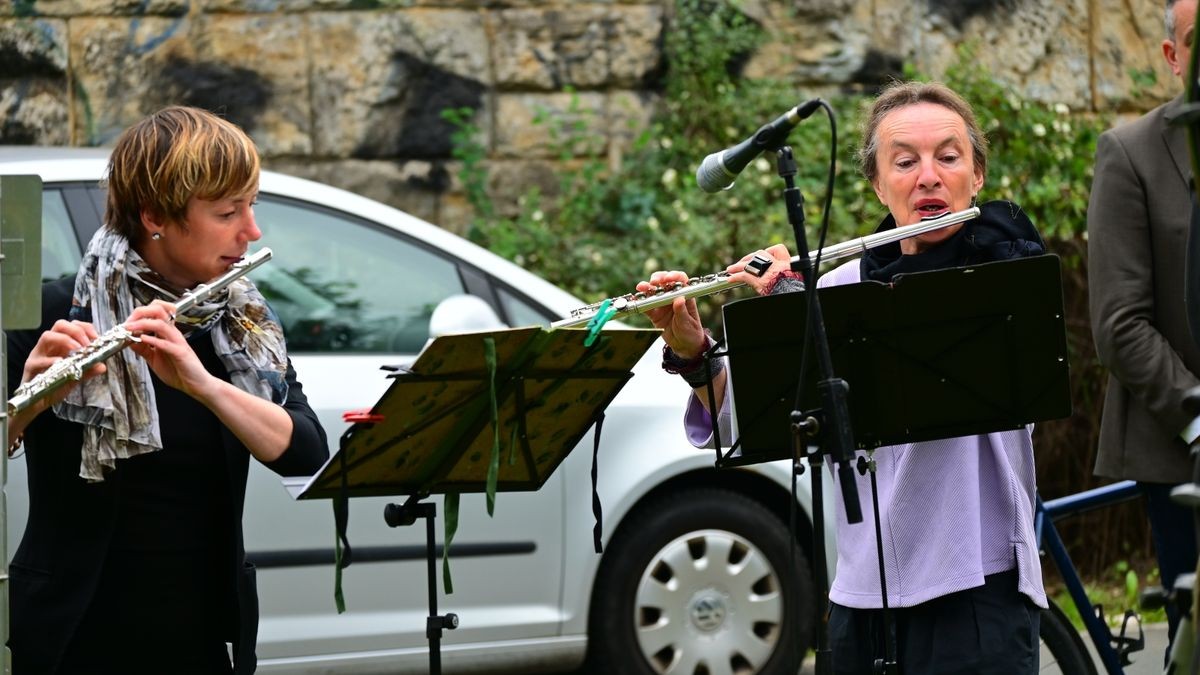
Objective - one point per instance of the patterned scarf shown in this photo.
(118, 408)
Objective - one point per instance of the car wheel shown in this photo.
(698, 583)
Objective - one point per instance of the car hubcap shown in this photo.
(708, 602)
(707, 610)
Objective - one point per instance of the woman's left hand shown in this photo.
(165, 349)
(264, 427)
(780, 258)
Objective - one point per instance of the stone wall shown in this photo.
(349, 92)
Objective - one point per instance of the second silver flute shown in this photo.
(72, 367)
(637, 303)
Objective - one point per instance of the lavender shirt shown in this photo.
(952, 511)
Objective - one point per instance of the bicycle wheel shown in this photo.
(1062, 649)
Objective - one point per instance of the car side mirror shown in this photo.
(463, 314)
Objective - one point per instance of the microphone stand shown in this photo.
(833, 427)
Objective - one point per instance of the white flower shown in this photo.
(537, 216)
(652, 223)
(762, 164)
(683, 216)
(520, 259)
(1039, 130)
(597, 257)
(733, 202)
(651, 265)
(668, 177)
(1005, 181)
(731, 132)
(665, 143)
(677, 205)
(1062, 109)
(764, 180)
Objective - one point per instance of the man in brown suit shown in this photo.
(1138, 220)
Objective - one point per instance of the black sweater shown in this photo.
(57, 568)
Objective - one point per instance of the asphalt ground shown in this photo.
(1149, 661)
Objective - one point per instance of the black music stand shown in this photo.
(932, 355)
(940, 354)
(477, 412)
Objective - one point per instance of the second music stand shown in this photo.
(932, 355)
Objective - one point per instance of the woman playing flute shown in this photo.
(132, 560)
(963, 576)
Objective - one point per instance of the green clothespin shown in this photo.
(603, 314)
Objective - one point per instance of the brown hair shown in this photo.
(901, 94)
(161, 162)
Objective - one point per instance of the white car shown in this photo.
(693, 578)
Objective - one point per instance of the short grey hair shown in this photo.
(901, 94)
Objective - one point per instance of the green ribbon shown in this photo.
(493, 474)
(339, 599)
(450, 506)
(512, 445)
(605, 312)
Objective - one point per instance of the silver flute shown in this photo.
(72, 367)
(639, 302)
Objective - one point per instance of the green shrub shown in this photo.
(605, 229)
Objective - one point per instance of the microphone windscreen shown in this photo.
(712, 175)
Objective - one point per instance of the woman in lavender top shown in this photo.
(960, 557)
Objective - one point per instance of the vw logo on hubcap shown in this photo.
(708, 611)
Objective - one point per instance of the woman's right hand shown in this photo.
(63, 338)
(680, 320)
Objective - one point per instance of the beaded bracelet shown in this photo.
(786, 282)
(693, 370)
(14, 444)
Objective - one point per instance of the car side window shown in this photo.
(339, 284)
(521, 313)
(60, 250)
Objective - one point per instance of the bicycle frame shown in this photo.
(1050, 542)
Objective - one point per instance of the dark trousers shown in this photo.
(1173, 528)
(989, 630)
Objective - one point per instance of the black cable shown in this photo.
(811, 284)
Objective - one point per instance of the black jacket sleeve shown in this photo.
(309, 448)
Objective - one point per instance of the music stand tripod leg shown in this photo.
(396, 515)
(888, 664)
(824, 654)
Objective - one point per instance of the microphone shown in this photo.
(718, 171)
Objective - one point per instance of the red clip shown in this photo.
(361, 416)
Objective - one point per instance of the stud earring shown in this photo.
(156, 236)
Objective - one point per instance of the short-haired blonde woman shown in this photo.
(132, 559)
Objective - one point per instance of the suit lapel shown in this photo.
(1175, 138)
